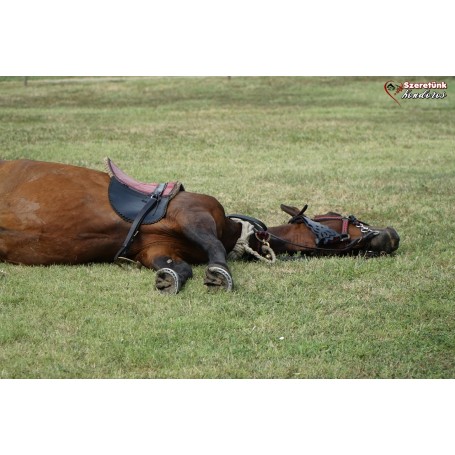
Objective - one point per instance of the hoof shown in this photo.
(217, 277)
(167, 281)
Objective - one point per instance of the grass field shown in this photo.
(335, 143)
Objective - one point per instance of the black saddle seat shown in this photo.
(128, 197)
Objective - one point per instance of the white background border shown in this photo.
(202, 38)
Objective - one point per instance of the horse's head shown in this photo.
(334, 234)
(385, 242)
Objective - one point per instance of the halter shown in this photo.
(251, 226)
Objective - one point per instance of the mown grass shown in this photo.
(335, 143)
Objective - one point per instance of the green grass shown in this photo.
(335, 143)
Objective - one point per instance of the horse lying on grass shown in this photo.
(61, 214)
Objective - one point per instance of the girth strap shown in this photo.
(134, 229)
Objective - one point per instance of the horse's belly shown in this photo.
(22, 247)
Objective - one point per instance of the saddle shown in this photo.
(128, 196)
(137, 202)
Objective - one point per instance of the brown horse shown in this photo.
(61, 214)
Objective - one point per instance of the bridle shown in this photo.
(365, 230)
(264, 236)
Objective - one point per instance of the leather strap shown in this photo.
(345, 226)
(257, 224)
(344, 222)
(134, 229)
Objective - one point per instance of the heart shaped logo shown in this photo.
(393, 88)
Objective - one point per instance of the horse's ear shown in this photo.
(293, 211)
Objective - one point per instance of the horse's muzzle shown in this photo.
(386, 242)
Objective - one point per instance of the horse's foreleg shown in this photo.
(203, 233)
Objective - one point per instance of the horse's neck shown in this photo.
(231, 234)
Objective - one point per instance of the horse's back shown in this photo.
(41, 191)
